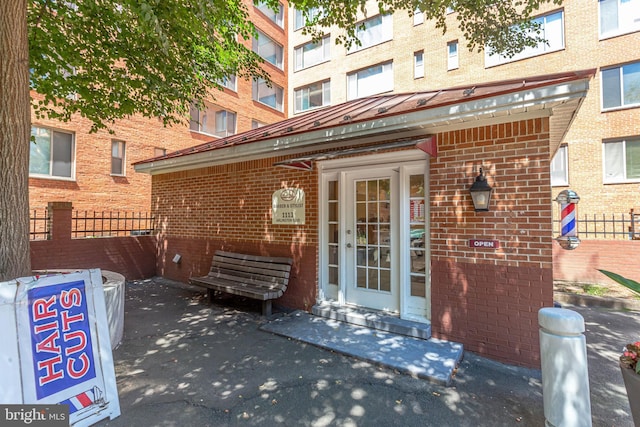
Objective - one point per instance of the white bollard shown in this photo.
(565, 376)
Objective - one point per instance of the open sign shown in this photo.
(481, 243)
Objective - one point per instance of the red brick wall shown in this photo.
(488, 299)
(582, 264)
(229, 207)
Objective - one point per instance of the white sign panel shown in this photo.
(62, 334)
(288, 206)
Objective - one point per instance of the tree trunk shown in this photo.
(15, 131)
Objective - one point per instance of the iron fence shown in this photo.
(85, 224)
(39, 225)
(605, 226)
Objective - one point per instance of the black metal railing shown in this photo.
(85, 224)
(39, 226)
(605, 226)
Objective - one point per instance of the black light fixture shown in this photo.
(481, 193)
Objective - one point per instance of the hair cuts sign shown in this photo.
(288, 206)
(56, 347)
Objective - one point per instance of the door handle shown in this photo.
(349, 245)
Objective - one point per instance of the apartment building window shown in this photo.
(277, 16)
(230, 82)
(117, 157)
(312, 96)
(622, 160)
(51, 153)
(271, 96)
(560, 167)
(619, 17)
(551, 30)
(255, 124)
(452, 55)
(310, 54)
(418, 17)
(378, 29)
(621, 86)
(370, 81)
(418, 65)
(299, 19)
(268, 49)
(213, 120)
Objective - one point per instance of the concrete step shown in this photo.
(373, 319)
(430, 359)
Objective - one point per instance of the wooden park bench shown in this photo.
(258, 277)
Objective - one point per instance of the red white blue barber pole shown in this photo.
(568, 239)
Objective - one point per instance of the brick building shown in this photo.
(600, 156)
(93, 170)
(389, 223)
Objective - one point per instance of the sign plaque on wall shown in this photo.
(287, 206)
(484, 243)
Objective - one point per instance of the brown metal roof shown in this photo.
(377, 107)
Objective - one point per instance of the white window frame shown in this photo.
(255, 124)
(38, 132)
(118, 154)
(368, 81)
(418, 64)
(560, 167)
(418, 17)
(615, 151)
(550, 29)
(620, 84)
(377, 29)
(310, 54)
(275, 17)
(453, 62)
(629, 14)
(264, 42)
(223, 124)
(299, 20)
(230, 82)
(319, 88)
(261, 91)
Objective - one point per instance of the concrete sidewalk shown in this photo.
(186, 363)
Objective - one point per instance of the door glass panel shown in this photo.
(417, 234)
(373, 239)
(332, 238)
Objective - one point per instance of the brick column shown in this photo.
(60, 220)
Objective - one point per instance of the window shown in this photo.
(213, 120)
(230, 83)
(376, 30)
(418, 17)
(551, 29)
(255, 124)
(452, 55)
(271, 96)
(299, 20)
(622, 161)
(268, 49)
(559, 167)
(619, 17)
(418, 65)
(312, 96)
(372, 80)
(158, 152)
(311, 54)
(621, 86)
(51, 153)
(275, 16)
(117, 157)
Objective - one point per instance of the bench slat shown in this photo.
(247, 271)
(257, 281)
(236, 288)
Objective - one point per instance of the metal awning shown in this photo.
(428, 145)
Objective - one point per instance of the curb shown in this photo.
(591, 301)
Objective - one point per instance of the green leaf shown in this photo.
(631, 284)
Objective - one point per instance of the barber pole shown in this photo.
(568, 199)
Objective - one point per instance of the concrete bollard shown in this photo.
(565, 376)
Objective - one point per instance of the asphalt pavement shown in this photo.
(184, 362)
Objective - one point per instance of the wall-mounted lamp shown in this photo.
(481, 193)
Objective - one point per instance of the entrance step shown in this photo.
(373, 319)
(430, 359)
